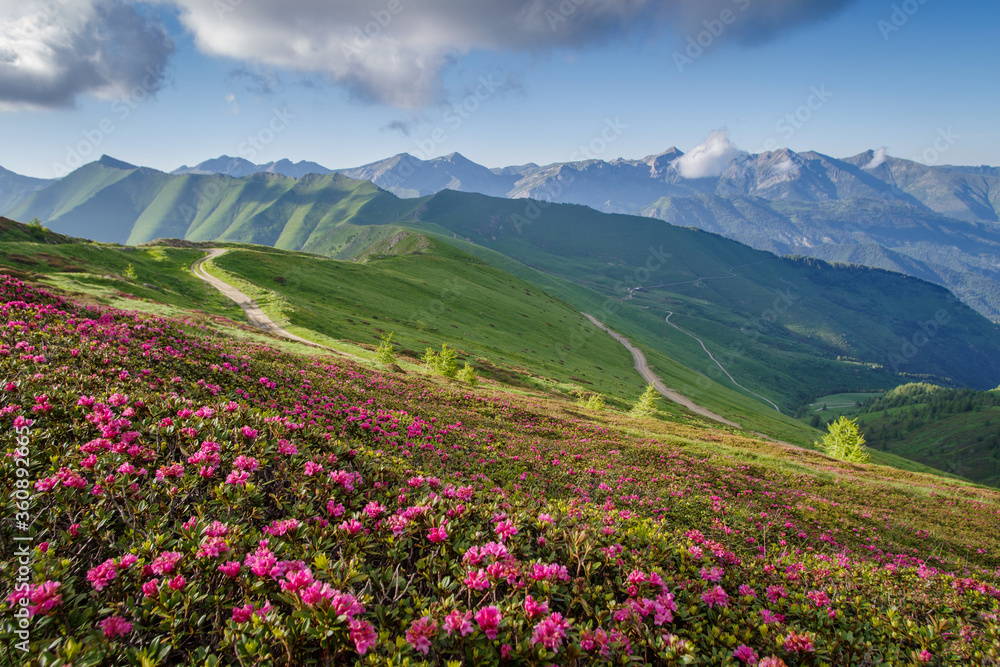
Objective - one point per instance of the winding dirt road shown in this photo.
(652, 378)
(712, 357)
(253, 312)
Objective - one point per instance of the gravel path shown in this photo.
(652, 378)
(253, 312)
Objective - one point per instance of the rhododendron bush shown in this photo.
(197, 500)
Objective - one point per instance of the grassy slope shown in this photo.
(930, 428)
(449, 297)
(724, 293)
(599, 363)
(716, 288)
(339, 302)
(887, 235)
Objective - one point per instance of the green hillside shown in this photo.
(789, 329)
(113, 201)
(423, 291)
(956, 430)
(961, 255)
(782, 331)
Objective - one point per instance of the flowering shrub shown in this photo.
(202, 501)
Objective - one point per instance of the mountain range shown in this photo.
(628, 186)
(789, 329)
(938, 223)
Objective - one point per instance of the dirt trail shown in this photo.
(649, 376)
(253, 312)
(712, 357)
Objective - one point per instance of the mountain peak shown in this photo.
(112, 163)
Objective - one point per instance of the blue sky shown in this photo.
(840, 79)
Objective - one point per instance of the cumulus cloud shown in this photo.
(52, 51)
(396, 51)
(877, 159)
(784, 167)
(710, 158)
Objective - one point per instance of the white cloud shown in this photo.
(784, 167)
(234, 104)
(877, 159)
(396, 51)
(710, 158)
(51, 51)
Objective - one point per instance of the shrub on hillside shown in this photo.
(646, 405)
(468, 374)
(385, 354)
(844, 441)
(443, 363)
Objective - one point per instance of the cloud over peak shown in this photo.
(709, 158)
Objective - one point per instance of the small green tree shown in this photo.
(385, 354)
(430, 360)
(646, 405)
(844, 441)
(130, 274)
(446, 363)
(443, 362)
(594, 402)
(35, 223)
(468, 374)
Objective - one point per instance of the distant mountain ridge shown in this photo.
(627, 186)
(871, 208)
(14, 188)
(238, 167)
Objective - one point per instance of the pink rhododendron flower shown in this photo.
(437, 534)
(745, 654)
(776, 593)
(478, 580)
(237, 477)
(346, 604)
(178, 582)
(458, 622)
(166, 562)
(535, 609)
(230, 569)
(352, 526)
(420, 634)
(505, 529)
(115, 626)
(151, 588)
(42, 597)
(796, 643)
(818, 598)
(247, 463)
(716, 596)
(771, 661)
(243, 614)
(769, 616)
(100, 576)
(489, 619)
(550, 632)
(362, 634)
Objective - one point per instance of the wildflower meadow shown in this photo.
(190, 499)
